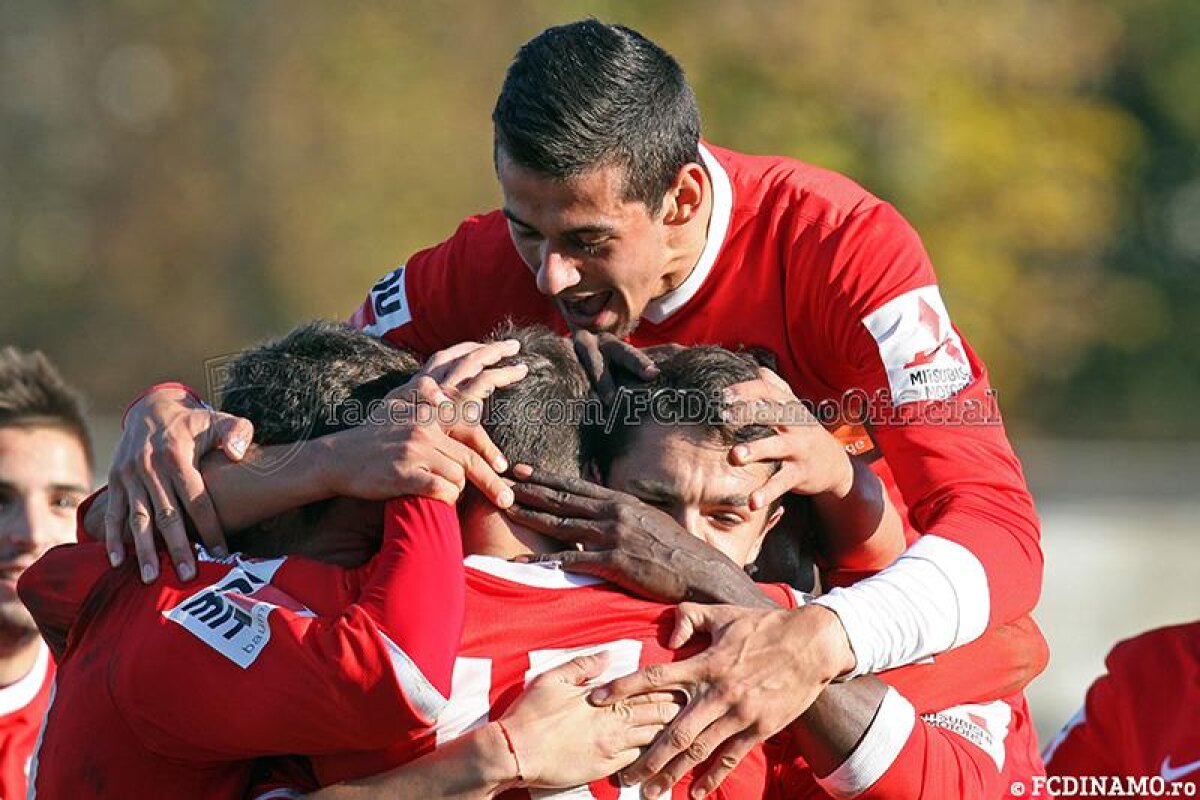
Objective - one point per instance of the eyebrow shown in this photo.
(54, 487)
(666, 492)
(582, 230)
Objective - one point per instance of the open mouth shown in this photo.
(583, 310)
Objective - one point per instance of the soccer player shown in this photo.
(1141, 719)
(45, 471)
(620, 225)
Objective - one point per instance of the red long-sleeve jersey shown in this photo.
(177, 687)
(1142, 718)
(806, 264)
(523, 619)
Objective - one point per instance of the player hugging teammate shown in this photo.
(373, 575)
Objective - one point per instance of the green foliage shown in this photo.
(177, 179)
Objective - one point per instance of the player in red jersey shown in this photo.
(308, 655)
(618, 223)
(1141, 719)
(45, 471)
(522, 619)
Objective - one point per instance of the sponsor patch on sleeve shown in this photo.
(922, 353)
(984, 725)
(390, 303)
(231, 616)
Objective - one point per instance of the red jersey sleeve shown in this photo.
(448, 293)
(957, 752)
(267, 676)
(879, 331)
(56, 586)
(999, 664)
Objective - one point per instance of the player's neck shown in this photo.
(487, 532)
(17, 657)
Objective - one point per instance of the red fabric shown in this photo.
(812, 254)
(1142, 718)
(512, 627)
(152, 691)
(22, 706)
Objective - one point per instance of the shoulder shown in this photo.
(1178, 645)
(781, 185)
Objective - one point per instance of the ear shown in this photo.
(772, 521)
(687, 194)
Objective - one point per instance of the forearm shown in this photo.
(728, 585)
(476, 766)
(837, 721)
(267, 482)
(859, 529)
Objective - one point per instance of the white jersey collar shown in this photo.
(718, 225)
(547, 575)
(17, 695)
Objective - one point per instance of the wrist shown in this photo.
(171, 391)
(844, 484)
(325, 466)
(832, 641)
(497, 764)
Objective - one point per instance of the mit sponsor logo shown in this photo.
(922, 353)
(231, 616)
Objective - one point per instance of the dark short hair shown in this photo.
(320, 378)
(536, 420)
(687, 392)
(34, 395)
(587, 95)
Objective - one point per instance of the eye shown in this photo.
(726, 519)
(66, 502)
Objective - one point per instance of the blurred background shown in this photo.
(177, 180)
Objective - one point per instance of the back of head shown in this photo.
(586, 95)
(320, 378)
(536, 420)
(34, 395)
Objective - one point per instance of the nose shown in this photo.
(556, 272)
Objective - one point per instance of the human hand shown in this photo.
(155, 483)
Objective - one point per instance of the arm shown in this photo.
(878, 325)
(56, 587)
(957, 752)
(526, 748)
(368, 678)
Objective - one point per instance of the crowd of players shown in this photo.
(373, 575)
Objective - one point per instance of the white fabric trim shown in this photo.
(1073, 723)
(278, 794)
(547, 575)
(878, 750)
(933, 598)
(31, 784)
(424, 696)
(17, 695)
(660, 308)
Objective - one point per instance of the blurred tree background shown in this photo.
(179, 179)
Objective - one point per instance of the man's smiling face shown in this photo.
(601, 257)
(683, 471)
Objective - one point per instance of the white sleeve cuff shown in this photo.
(933, 598)
(878, 750)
